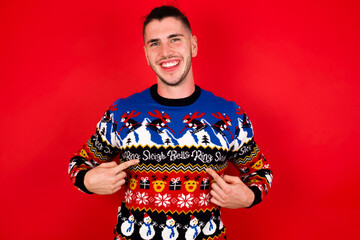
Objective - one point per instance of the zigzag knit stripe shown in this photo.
(248, 157)
(94, 151)
(177, 168)
(173, 212)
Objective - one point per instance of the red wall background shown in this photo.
(292, 65)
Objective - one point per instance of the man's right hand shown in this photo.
(107, 178)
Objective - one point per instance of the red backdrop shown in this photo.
(292, 65)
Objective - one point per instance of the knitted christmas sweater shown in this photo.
(167, 194)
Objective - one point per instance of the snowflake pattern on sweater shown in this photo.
(167, 194)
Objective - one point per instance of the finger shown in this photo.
(117, 186)
(122, 182)
(108, 164)
(216, 202)
(126, 164)
(231, 179)
(215, 187)
(216, 177)
(216, 196)
(120, 176)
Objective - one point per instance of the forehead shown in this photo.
(164, 28)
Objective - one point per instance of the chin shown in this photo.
(172, 83)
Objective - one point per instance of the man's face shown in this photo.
(169, 48)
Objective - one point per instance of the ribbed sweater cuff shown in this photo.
(79, 182)
(257, 194)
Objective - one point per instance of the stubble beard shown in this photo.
(180, 80)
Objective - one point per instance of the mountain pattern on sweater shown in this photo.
(167, 194)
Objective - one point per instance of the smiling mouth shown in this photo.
(170, 64)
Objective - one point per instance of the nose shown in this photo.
(166, 50)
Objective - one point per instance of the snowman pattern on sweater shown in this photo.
(210, 226)
(175, 146)
(170, 231)
(127, 227)
(147, 230)
(194, 229)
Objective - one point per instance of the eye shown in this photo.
(154, 44)
(175, 39)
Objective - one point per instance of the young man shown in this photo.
(174, 141)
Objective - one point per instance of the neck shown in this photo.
(183, 90)
(175, 92)
(174, 102)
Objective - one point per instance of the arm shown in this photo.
(254, 180)
(91, 169)
(88, 157)
(254, 170)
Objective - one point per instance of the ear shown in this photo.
(194, 46)
(146, 56)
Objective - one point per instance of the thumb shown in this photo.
(231, 179)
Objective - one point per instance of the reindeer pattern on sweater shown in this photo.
(167, 195)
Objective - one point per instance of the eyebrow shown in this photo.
(152, 40)
(175, 35)
(170, 36)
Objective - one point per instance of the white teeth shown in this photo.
(170, 64)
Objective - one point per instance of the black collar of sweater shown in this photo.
(179, 102)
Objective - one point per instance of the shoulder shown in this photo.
(133, 101)
(219, 105)
(135, 98)
(217, 101)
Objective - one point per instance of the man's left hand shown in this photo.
(230, 191)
